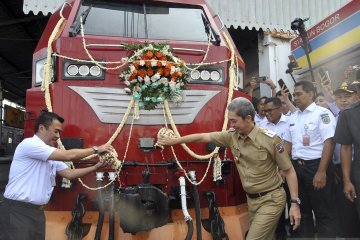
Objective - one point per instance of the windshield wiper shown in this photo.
(75, 27)
(209, 28)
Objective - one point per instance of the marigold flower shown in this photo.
(149, 54)
(148, 64)
(150, 72)
(132, 77)
(160, 71)
(166, 72)
(158, 55)
(144, 57)
(142, 73)
(168, 65)
(159, 64)
(136, 64)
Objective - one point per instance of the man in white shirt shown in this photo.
(32, 174)
(275, 120)
(310, 142)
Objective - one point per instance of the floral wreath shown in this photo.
(154, 74)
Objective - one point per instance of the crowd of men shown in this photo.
(322, 137)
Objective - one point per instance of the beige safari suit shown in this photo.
(257, 158)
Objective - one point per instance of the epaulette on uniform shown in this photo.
(268, 132)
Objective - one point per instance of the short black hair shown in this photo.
(278, 94)
(46, 119)
(275, 101)
(307, 86)
(263, 97)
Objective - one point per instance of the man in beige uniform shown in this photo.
(258, 154)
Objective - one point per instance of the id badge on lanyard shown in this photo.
(306, 137)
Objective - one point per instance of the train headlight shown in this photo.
(72, 70)
(95, 71)
(215, 76)
(195, 75)
(84, 70)
(205, 75)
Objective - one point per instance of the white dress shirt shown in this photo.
(32, 175)
(279, 128)
(316, 122)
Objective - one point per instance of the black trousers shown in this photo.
(21, 221)
(348, 224)
(321, 202)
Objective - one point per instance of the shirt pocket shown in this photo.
(257, 162)
(312, 130)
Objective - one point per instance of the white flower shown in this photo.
(127, 90)
(132, 67)
(127, 83)
(147, 79)
(140, 79)
(142, 63)
(163, 63)
(172, 85)
(124, 60)
(163, 80)
(172, 70)
(177, 85)
(133, 81)
(155, 77)
(153, 63)
(175, 59)
(151, 47)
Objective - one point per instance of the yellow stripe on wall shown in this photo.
(339, 44)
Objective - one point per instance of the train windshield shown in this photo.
(147, 21)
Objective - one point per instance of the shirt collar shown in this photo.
(283, 118)
(252, 134)
(310, 108)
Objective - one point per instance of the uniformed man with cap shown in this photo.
(258, 153)
(309, 139)
(348, 135)
(347, 219)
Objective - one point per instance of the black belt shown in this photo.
(260, 194)
(304, 162)
(22, 204)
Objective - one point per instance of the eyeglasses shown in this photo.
(270, 110)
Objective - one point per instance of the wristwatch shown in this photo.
(95, 148)
(296, 200)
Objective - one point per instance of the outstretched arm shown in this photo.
(198, 137)
(80, 172)
(77, 154)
